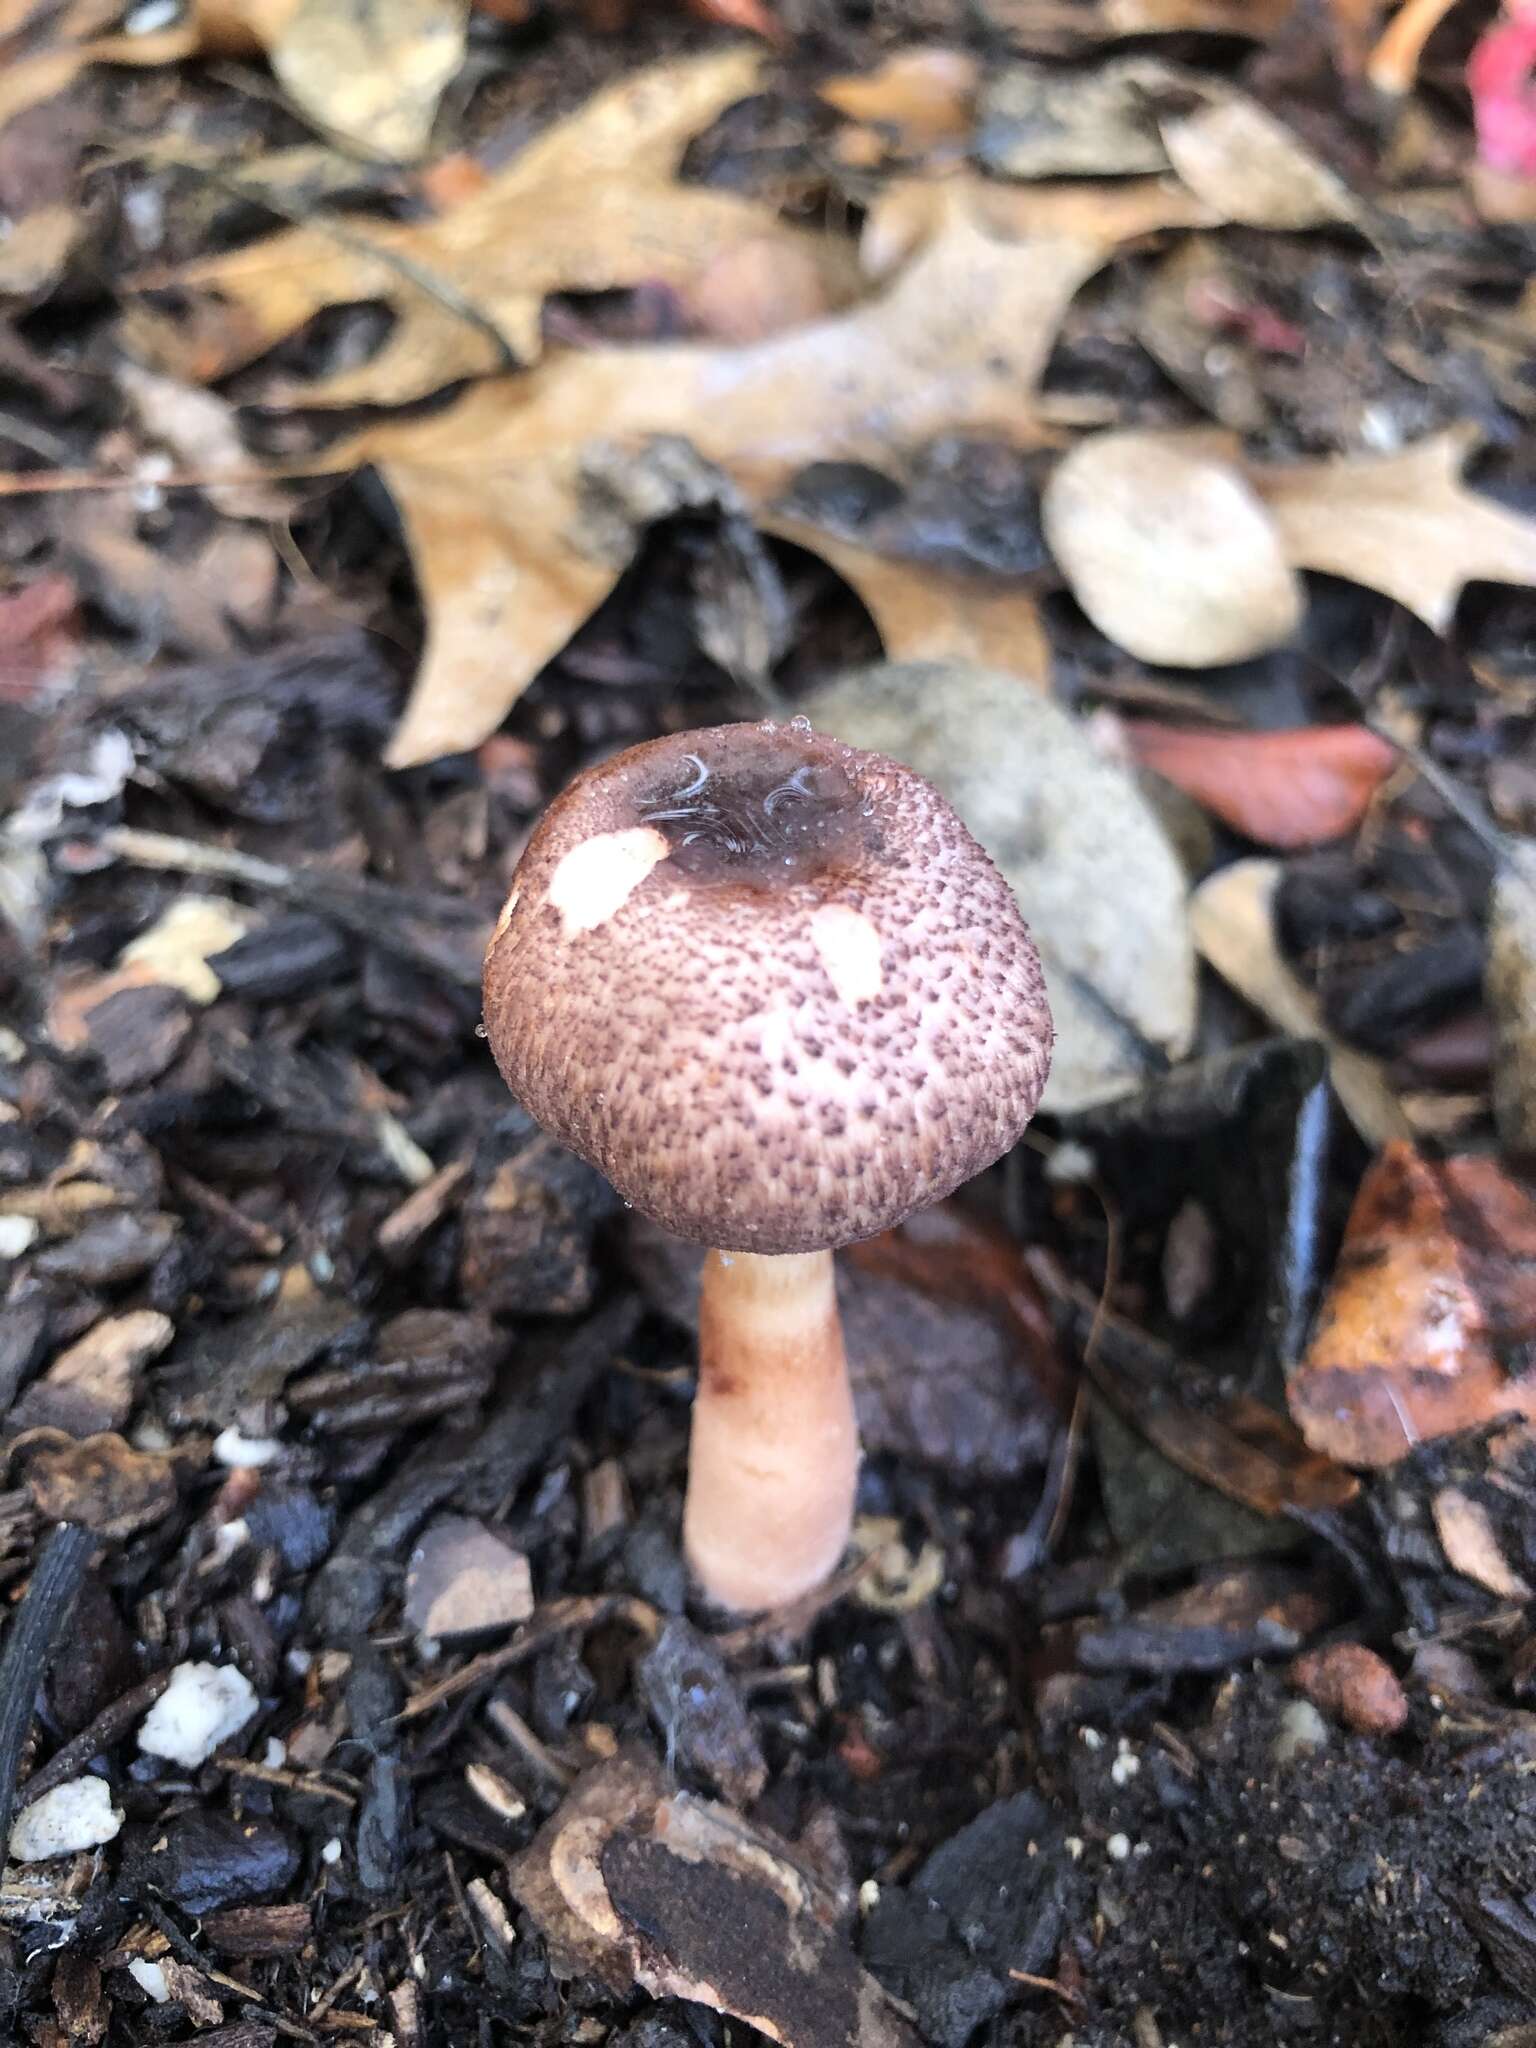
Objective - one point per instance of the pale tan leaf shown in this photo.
(1233, 919)
(503, 592)
(1467, 1537)
(1103, 217)
(1403, 524)
(957, 343)
(1257, 18)
(925, 613)
(35, 249)
(1250, 167)
(371, 72)
(1168, 550)
(592, 205)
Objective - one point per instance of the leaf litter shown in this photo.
(746, 391)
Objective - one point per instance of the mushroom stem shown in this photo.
(775, 1453)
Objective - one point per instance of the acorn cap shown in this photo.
(769, 985)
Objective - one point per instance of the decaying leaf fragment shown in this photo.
(102, 1482)
(592, 205)
(1431, 1313)
(495, 491)
(1471, 1547)
(637, 1884)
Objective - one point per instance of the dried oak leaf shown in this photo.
(1232, 916)
(591, 205)
(1431, 1295)
(638, 1885)
(923, 612)
(495, 492)
(100, 1482)
(371, 72)
(1237, 156)
(1471, 1547)
(1288, 789)
(1403, 524)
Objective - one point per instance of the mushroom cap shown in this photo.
(769, 985)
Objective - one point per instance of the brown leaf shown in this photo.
(1287, 789)
(1168, 550)
(926, 613)
(1432, 1289)
(591, 205)
(36, 249)
(1471, 1547)
(101, 1483)
(493, 492)
(1232, 916)
(1403, 524)
(921, 98)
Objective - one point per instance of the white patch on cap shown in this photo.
(598, 877)
(848, 947)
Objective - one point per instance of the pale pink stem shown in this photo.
(775, 1452)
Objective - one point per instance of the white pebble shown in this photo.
(150, 1978)
(231, 1448)
(276, 1754)
(76, 1815)
(18, 1234)
(1302, 1730)
(331, 1853)
(203, 1705)
(1119, 1847)
(1126, 1764)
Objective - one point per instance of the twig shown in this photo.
(91, 1742)
(558, 1619)
(43, 1612)
(796, 1618)
(46, 483)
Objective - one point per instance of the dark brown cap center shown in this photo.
(779, 813)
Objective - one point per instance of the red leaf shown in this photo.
(1284, 789)
(1500, 80)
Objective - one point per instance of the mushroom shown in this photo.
(774, 990)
